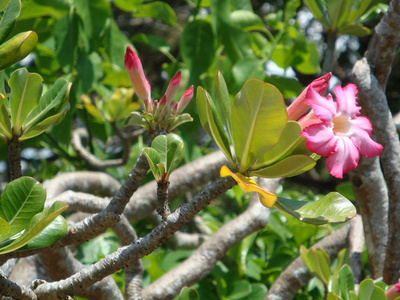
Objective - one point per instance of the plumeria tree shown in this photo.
(183, 168)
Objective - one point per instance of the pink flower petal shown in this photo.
(324, 108)
(361, 137)
(319, 139)
(344, 158)
(347, 100)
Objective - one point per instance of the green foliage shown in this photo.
(164, 155)
(25, 221)
(27, 113)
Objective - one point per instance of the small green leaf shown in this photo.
(223, 100)
(335, 9)
(8, 19)
(5, 124)
(358, 11)
(332, 296)
(247, 20)
(26, 90)
(21, 200)
(51, 234)
(188, 294)
(346, 281)
(175, 122)
(35, 226)
(316, 8)
(157, 10)
(212, 123)
(135, 118)
(259, 118)
(17, 48)
(3, 4)
(355, 29)
(290, 166)
(318, 263)
(333, 208)
(366, 289)
(239, 289)
(153, 159)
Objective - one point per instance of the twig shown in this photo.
(356, 247)
(14, 158)
(162, 199)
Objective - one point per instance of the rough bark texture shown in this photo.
(14, 158)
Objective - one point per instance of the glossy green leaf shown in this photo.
(51, 234)
(346, 281)
(66, 34)
(135, 118)
(287, 141)
(333, 208)
(318, 263)
(239, 289)
(366, 289)
(259, 118)
(5, 124)
(175, 122)
(188, 293)
(3, 4)
(50, 102)
(332, 296)
(21, 200)
(26, 90)
(211, 122)
(157, 10)
(248, 67)
(197, 46)
(258, 291)
(127, 5)
(170, 149)
(290, 166)
(247, 20)
(45, 124)
(355, 29)
(153, 158)
(316, 8)
(4, 227)
(17, 48)
(308, 61)
(358, 10)
(8, 18)
(342, 259)
(333, 284)
(223, 100)
(335, 9)
(35, 226)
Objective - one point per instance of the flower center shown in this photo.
(341, 124)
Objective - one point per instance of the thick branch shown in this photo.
(126, 255)
(14, 158)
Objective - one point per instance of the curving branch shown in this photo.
(144, 246)
(201, 262)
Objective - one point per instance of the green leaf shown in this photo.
(346, 281)
(154, 42)
(127, 5)
(318, 262)
(212, 123)
(153, 159)
(342, 259)
(3, 4)
(197, 46)
(170, 149)
(5, 124)
(135, 118)
(316, 8)
(35, 226)
(66, 34)
(17, 48)
(223, 100)
(21, 200)
(4, 227)
(358, 10)
(355, 29)
(26, 90)
(51, 234)
(8, 19)
(333, 208)
(369, 291)
(290, 166)
(188, 293)
(157, 10)
(258, 291)
(259, 118)
(53, 99)
(176, 121)
(248, 67)
(247, 20)
(239, 289)
(332, 296)
(287, 141)
(45, 124)
(335, 9)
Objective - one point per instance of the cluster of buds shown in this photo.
(163, 114)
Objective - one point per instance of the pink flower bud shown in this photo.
(299, 107)
(173, 87)
(394, 292)
(138, 79)
(185, 99)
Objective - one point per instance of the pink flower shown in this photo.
(185, 99)
(337, 130)
(138, 79)
(299, 107)
(394, 292)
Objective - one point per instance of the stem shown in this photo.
(14, 158)
(162, 199)
(329, 58)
